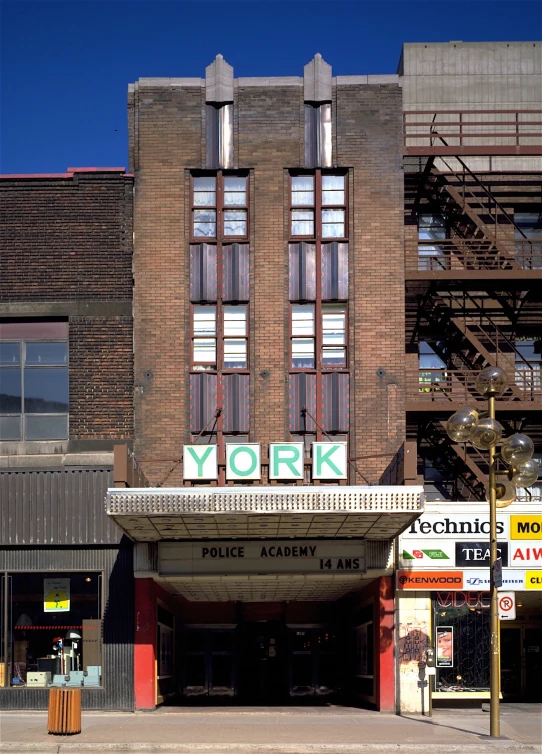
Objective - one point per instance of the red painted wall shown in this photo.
(145, 644)
(384, 617)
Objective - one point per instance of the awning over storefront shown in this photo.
(154, 514)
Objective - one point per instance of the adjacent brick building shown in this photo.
(66, 397)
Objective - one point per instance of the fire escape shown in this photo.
(473, 268)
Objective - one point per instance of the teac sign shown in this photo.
(286, 461)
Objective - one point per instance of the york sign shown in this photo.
(261, 557)
(200, 462)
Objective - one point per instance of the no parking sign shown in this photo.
(507, 605)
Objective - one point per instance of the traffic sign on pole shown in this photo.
(507, 605)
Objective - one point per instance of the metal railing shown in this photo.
(458, 385)
(467, 130)
(471, 254)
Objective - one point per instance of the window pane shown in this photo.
(46, 391)
(10, 391)
(10, 428)
(431, 227)
(205, 191)
(303, 190)
(235, 320)
(235, 222)
(9, 353)
(333, 357)
(204, 351)
(235, 191)
(333, 223)
(46, 427)
(46, 353)
(303, 352)
(333, 325)
(332, 189)
(302, 223)
(204, 320)
(235, 353)
(303, 319)
(205, 223)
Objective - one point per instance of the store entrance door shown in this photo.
(261, 672)
(521, 663)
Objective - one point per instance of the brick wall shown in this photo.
(166, 141)
(66, 238)
(66, 252)
(368, 127)
(169, 141)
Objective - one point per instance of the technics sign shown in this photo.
(261, 557)
(286, 461)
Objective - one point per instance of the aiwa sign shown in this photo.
(286, 461)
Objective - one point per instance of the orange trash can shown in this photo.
(64, 716)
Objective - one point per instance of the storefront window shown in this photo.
(54, 630)
(462, 635)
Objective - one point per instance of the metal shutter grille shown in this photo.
(335, 402)
(203, 398)
(236, 272)
(302, 271)
(334, 271)
(236, 403)
(301, 393)
(203, 272)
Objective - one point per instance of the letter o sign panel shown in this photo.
(243, 461)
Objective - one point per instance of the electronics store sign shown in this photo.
(286, 461)
(263, 557)
(462, 541)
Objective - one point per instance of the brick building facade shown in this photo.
(168, 146)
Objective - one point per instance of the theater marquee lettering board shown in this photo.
(261, 557)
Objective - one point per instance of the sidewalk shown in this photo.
(274, 730)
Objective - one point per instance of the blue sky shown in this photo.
(65, 66)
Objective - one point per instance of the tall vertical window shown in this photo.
(318, 141)
(318, 292)
(219, 142)
(34, 381)
(219, 296)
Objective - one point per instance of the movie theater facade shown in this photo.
(264, 594)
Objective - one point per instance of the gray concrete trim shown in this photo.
(385, 78)
(57, 448)
(57, 460)
(66, 308)
(270, 81)
(183, 82)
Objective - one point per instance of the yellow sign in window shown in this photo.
(533, 580)
(525, 527)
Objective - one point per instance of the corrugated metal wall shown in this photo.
(56, 507)
(118, 627)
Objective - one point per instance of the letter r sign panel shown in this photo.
(329, 460)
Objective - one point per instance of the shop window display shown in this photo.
(462, 647)
(53, 633)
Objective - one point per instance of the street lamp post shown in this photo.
(521, 470)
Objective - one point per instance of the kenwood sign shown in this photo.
(286, 461)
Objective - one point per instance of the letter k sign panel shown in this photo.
(329, 460)
(200, 462)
